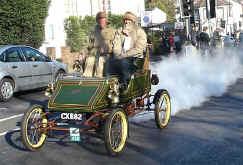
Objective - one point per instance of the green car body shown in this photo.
(82, 94)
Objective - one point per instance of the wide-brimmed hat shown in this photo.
(130, 16)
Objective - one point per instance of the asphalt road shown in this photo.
(209, 134)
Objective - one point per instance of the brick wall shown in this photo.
(68, 58)
(51, 52)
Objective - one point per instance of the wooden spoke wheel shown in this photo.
(162, 110)
(32, 126)
(116, 132)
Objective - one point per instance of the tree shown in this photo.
(168, 6)
(78, 29)
(87, 24)
(22, 22)
(116, 21)
(75, 34)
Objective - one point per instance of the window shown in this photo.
(13, 55)
(51, 32)
(33, 55)
(220, 12)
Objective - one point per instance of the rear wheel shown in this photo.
(6, 89)
(32, 132)
(116, 131)
(162, 110)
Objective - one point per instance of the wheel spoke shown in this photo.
(33, 125)
(116, 132)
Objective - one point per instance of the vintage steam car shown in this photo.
(98, 105)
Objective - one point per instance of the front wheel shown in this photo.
(32, 128)
(116, 131)
(162, 109)
(6, 89)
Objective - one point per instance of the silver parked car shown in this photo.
(229, 42)
(24, 68)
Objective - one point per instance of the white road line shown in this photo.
(11, 117)
(4, 133)
(3, 108)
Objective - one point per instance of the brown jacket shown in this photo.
(138, 41)
(100, 41)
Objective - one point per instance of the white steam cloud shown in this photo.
(191, 80)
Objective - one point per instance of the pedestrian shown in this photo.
(129, 46)
(216, 39)
(98, 47)
(195, 36)
(238, 36)
(171, 42)
(177, 41)
(204, 41)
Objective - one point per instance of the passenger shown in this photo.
(128, 46)
(99, 47)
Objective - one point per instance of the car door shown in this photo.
(41, 69)
(18, 68)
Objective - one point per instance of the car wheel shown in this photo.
(116, 132)
(33, 128)
(6, 89)
(162, 109)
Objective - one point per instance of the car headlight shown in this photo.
(50, 89)
(113, 92)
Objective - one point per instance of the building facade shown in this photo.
(228, 15)
(61, 9)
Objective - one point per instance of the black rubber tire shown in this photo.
(162, 122)
(110, 136)
(40, 136)
(2, 82)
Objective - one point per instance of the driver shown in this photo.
(99, 47)
(128, 46)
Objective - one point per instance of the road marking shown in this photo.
(11, 117)
(3, 108)
(4, 133)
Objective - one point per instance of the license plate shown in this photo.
(74, 134)
(71, 116)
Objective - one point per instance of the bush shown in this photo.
(75, 34)
(115, 20)
(22, 22)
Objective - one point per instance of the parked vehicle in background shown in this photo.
(228, 41)
(24, 68)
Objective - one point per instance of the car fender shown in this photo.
(59, 66)
(4, 74)
(157, 94)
